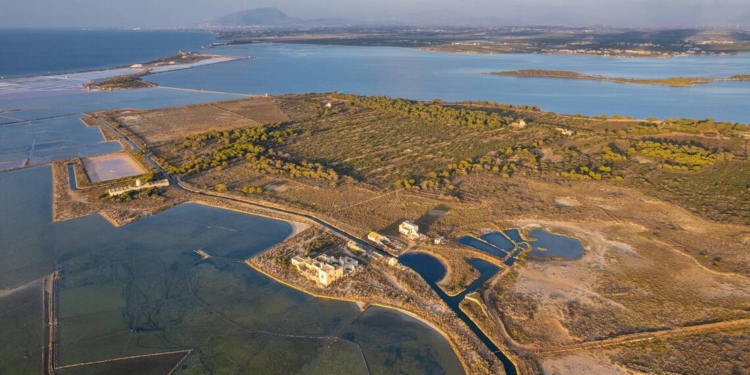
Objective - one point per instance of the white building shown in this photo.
(409, 229)
(325, 269)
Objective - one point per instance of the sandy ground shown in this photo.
(111, 167)
(297, 228)
(583, 364)
(553, 284)
(567, 202)
(276, 187)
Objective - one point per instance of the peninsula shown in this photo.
(355, 168)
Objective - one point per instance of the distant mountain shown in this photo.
(266, 17)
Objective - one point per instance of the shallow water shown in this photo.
(482, 245)
(53, 139)
(546, 245)
(499, 240)
(403, 72)
(142, 289)
(111, 167)
(432, 271)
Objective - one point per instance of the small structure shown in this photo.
(329, 105)
(325, 269)
(139, 185)
(520, 124)
(353, 246)
(393, 262)
(409, 229)
(438, 240)
(137, 66)
(378, 238)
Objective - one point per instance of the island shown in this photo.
(671, 81)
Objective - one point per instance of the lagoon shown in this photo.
(141, 289)
(421, 75)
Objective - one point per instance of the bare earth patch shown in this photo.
(578, 364)
(173, 124)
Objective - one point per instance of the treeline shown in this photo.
(669, 81)
(255, 146)
(691, 126)
(542, 73)
(683, 156)
(504, 163)
(432, 112)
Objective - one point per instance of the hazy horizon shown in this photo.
(175, 13)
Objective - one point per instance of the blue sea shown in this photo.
(25, 52)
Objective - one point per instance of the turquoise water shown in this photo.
(402, 72)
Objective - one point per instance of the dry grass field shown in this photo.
(173, 124)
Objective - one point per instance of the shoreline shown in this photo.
(142, 71)
(364, 306)
(681, 82)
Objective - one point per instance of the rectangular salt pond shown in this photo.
(111, 167)
(48, 140)
(514, 235)
(498, 240)
(7, 165)
(481, 245)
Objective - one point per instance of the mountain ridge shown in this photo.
(265, 17)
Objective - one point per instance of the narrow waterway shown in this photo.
(433, 271)
(72, 177)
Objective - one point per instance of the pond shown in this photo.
(545, 245)
(482, 245)
(499, 240)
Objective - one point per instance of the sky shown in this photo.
(156, 13)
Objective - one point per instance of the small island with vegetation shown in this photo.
(129, 82)
(670, 81)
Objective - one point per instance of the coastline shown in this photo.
(364, 306)
(682, 82)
